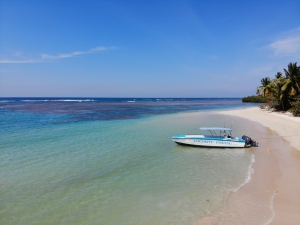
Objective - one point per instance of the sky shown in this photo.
(141, 48)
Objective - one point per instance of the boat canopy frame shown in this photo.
(213, 130)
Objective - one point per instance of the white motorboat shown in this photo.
(224, 139)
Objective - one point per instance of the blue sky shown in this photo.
(144, 48)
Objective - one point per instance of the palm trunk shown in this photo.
(282, 105)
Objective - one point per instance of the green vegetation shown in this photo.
(296, 107)
(283, 92)
(255, 98)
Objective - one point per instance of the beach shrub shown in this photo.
(295, 107)
(255, 99)
(275, 105)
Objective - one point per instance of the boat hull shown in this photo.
(209, 142)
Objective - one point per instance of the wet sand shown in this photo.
(276, 170)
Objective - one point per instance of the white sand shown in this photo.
(286, 126)
(287, 199)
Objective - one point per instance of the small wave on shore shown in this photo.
(252, 202)
(249, 174)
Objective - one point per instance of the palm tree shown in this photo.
(278, 75)
(292, 83)
(279, 94)
(283, 91)
(265, 88)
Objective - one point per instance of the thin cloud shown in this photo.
(213, 57)
(20, 61)
(47, 57)
(286, 46)
(73, 54)
(263, 69)
(5, 71)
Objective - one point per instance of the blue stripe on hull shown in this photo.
(208, 138)
(216, 142)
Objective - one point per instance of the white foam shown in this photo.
(272, 209)
(60, 100)
(6, 101)
(74, 100)
(34, 100)
(249, 174)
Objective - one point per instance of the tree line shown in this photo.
(282, 92)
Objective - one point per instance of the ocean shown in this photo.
(112, 160)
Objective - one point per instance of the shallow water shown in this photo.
(114, 171)
(252, 203)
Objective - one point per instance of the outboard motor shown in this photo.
(249, 142)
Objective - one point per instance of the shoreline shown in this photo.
(286, 126)
(286, 199)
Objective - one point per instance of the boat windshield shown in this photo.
(222, 130)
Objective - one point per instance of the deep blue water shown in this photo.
(66, 110)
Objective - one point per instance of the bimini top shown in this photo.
(215, 128)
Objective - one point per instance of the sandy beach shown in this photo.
(274, 165)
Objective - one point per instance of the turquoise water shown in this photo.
(114, 171)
